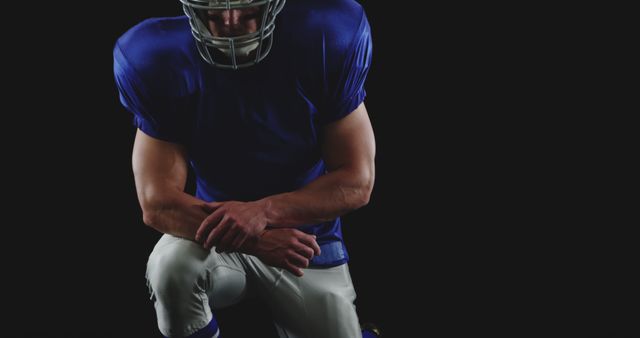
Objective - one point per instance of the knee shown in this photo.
(173, 272)
(336, 299)
(228, 286)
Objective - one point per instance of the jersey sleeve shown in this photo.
(143, 91)
(346, 68)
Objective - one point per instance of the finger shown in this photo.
(293, 269)
(310, 241)
(298, 260)
(220, 230)
(226, 241)
(209, 223)
(217, 233)
(304, 250)
(212, 206)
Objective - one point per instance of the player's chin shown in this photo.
(224, 58)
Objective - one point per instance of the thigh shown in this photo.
(221, 277)
(319, 304)
(227, 279)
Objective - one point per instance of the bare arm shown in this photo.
(348, 150)
(160, 171)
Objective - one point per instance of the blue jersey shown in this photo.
(253, 132)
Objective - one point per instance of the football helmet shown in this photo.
(232, 48)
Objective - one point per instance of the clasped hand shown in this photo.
(233, 224)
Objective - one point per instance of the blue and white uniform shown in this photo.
(253, 132)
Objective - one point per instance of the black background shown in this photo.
(482, 221)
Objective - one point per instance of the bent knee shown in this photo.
(336, 298)
(228, 286)
(175, 267)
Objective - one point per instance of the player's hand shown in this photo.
(230, 224)
(287, 248)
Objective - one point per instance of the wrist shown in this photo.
(266, 204)
(252, 245)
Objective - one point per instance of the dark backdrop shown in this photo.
(81, 271)
(477, 225)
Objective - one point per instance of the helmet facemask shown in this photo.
(238, 45)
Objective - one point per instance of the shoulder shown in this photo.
(325, 13)
(334, 23)
(155, 47)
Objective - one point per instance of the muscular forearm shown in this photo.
(180, 214)
(175, 213)
(324, 199)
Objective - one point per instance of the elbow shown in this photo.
(364, 196)
(360, 201)
(157, 203)
(152, 210)
(365, 188)
(149, 217)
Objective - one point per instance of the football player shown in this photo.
(264, 101)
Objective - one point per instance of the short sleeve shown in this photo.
(346, 72)
(142, 94)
